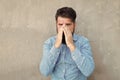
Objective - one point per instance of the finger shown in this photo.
(68, 32)
(59, 35)
(60, 31)
(65, 31)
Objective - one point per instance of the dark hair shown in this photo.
(66, 12)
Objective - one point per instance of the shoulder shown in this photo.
(50, 40)
(81, 38)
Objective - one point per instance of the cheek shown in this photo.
(58, 26)
(71, 29)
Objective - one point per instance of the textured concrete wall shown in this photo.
(26, 24)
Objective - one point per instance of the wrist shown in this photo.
(72, 47)
(57, 45)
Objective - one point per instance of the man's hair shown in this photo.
(66, 12)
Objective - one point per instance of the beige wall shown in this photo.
(26, 24)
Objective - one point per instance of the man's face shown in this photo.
(62, 22)
(65, 22)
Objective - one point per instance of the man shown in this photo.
(67, 56)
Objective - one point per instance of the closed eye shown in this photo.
(68, 24)
(60, 24)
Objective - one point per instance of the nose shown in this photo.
(64, 25)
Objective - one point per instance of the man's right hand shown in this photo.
(59, 38)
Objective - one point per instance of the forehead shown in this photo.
(64, 20)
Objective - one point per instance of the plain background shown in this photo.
(26, 24)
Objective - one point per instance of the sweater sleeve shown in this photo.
(49, 59)
(83, 58)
